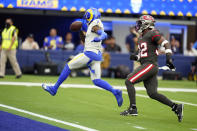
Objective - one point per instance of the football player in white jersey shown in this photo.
(91, 57)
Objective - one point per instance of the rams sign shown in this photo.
(50, 4)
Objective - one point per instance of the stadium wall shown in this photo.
(28, 58)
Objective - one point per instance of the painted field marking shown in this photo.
(139, 127)
(194, 129)
(92, 86)
(182, 102)
(48, 118)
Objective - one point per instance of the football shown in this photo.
(76, 26)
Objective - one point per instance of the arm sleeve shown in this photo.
(155, 36)
(84, 26)
(102, 34)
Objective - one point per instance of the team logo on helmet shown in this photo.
(145, 22)
(91, 14)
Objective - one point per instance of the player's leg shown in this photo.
(151, 88)
(151, 85)
(138, 75)
(78, 61)
(95, 72)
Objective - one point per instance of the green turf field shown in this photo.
(97, 109)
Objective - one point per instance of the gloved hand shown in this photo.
(96, 39)
(169, 62)
(133, 57)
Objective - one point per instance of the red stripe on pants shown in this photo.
(141, 73)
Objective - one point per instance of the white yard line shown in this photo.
(48, 118)
(92, 86)
(194, 129)
(139, 127)
(117, 87)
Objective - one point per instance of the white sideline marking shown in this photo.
(186, 103)
(92, 86)
(48, 118)
(139, 127)
(194, 129)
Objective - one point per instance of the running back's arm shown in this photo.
(164, 43)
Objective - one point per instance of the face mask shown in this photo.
(7, 25)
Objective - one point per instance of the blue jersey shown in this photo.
(54, 41)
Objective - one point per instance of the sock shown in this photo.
(131, 93)
(103, 84)
(64, 74)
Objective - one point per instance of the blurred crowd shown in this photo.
(55, 42)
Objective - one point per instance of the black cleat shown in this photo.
(129, 111)
(19, 76)
(179, 111)
(1, 77)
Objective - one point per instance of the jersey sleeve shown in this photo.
(84, 26)
(155, 36)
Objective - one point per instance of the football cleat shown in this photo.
(179, 111)
(130, 111)
(119, 98)
(49, 89)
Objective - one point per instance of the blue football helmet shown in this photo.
(92, 14)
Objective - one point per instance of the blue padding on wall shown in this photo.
(28, 58)
(182, 63)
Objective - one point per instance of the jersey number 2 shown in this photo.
(143, 47)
